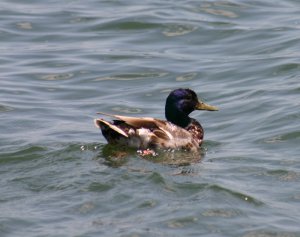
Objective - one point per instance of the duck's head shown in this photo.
(180, 103)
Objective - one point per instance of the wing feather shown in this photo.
(143, 122)
(113, 127)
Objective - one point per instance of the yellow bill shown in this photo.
(202, 106)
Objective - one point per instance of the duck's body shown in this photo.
(179, 132)
(143, 133)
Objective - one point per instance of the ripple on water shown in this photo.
(262, 233)
(236, 194)
(56, 77)
(284, 175)
(220, 12)
(5, 108)
(182, 222)
(173, 30)
(25, 25)
(126, 25)
(127, 110)
(99, 187)
(285, 137)
(23, 155)
(187, 77)
(133, 76)
(220, 212)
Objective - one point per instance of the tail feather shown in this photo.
(98, 123)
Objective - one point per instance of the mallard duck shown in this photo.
(179, 131)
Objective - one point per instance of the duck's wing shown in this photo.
(110, 125)
(141, 131)
(161, 128)
(136, 122)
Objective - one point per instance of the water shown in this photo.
(62, 61)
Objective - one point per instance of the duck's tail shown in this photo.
(102, 124)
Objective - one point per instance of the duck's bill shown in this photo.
(203, 106)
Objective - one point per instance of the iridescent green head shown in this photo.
(180, 103)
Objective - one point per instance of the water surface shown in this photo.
(62, 61)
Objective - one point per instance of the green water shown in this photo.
(63, 61)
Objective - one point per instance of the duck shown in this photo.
(178, 131)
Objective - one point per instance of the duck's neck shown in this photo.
(178, 118)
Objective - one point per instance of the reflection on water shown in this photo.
(116, 156)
